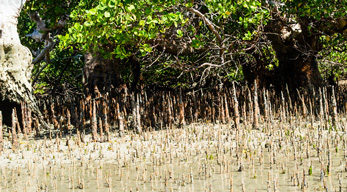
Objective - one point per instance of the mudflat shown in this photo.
(295, 155)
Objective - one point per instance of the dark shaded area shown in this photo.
(6, 108)
(101, 73)
(297, 63)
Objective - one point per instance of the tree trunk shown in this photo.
(298, 70)
(15, 63)
(296, 51)
(101, 73)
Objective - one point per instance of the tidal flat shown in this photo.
(298, 154)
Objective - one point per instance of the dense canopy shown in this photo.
(186, 44)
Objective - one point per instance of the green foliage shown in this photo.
(114, 27)
(26, 26)
(326, 20)
(123, 29)
(63, 72)
(51, 10)
(317, 9)
(63, 69)
(310, 170)
(333, 57)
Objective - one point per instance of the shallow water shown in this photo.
(195, 158)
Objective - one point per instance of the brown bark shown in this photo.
(138, 115)
(120, 120)
(101, 73)
(13, 130)
(296, 49)
(236, 109)
(94, 123)
(256, 108)
(182, 121)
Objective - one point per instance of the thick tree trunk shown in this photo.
(15, 63)
(297, 70)
(296, 52)
(101, 73)
(257, 71)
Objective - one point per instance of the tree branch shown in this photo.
(208, 23)
(38, 36)
(202, 65)
(174, 47)
(47, 48)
